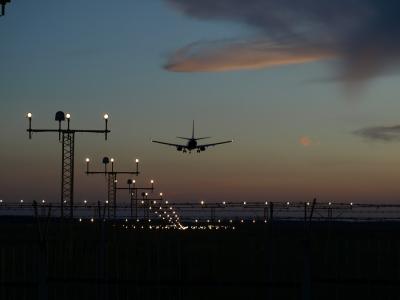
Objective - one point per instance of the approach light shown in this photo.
(112, 160)
(244, 203)
(202, 202)
(29, 115)
(137, 160)
(161, 194)
(68, 116)
(87, 159)
(105, 116)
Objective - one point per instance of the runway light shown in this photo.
(112, 160)
(29, 115)
(266, 202)
(92, 220)
(152, 181)
(106, 201)
(137, 160)
(87, 159)
(68, 116)
(202, 202)
(330, 203)
(308, 203)
(84, 201)
(351, 203)
(1, 201)
(223, 203)
(22, 201)
(142, 202)
(43, 201)
(105, 116)
(80, 219)
(244, 203)
(288, 203)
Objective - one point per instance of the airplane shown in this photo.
(192, 143)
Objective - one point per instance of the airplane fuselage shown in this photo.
(192, 144)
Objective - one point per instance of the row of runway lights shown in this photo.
(201, 202)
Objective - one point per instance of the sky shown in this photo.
(308, 94)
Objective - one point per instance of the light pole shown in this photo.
(133, 194)
(67, 137)
(111, 179)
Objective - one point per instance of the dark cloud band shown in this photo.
(364, 35)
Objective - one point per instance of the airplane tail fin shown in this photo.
(193, 130)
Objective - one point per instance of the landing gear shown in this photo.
(184, 151)
(198, 150)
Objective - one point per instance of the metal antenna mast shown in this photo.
(67, 138)
(3, 6)
(112, 179)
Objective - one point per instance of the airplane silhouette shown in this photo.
(192, 143)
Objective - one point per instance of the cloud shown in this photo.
(219, 56)
(305, 141)
(380, 133)
(363, 35)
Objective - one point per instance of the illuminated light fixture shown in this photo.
(223, 203)
(351, 203)
(196, 221)
(68, 116)
(230, 221)
(161, 194)
(202, 202)
(154, 202)
(29, 115)
(142, 202)
(152, 181)
(87, 159)
(166, 202)
(330, 203)
(105, 116)
(106, 201)
(288, 203)
(112, 160)
(92, 220)
(1, 201)
(146, 194)
(308, 203)
(244, 203)
(22, 201)
(43, 201)
(241, 221)
(80, 219)
(266, 202)
(137, 160)
(126, 220)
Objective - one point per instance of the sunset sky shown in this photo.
(309, 93)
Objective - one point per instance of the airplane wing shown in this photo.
(213, 144)
(169, 144)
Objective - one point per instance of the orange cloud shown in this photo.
(305, 141)
(238, 55)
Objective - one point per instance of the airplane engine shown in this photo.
(179, 148)
(202, 148)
